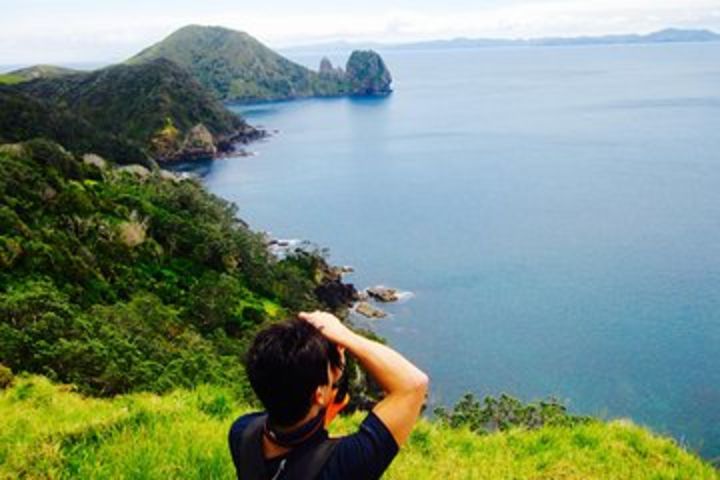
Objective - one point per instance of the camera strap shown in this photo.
(302, 463)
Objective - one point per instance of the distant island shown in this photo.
(669, 35)
(238, 68)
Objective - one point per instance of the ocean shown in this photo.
(554, 211)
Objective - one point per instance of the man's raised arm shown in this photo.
(405, 385)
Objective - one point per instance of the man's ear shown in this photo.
(320, 397)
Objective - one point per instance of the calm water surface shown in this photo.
(555, 211)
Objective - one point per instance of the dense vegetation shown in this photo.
(51, 432)
(154, 104)
(117, 282)
(23, 117)
(237, 67)
(506, 412)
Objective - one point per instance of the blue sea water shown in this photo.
(555, 211)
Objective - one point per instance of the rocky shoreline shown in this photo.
(333, 290)
(201, 144)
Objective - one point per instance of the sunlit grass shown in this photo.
(48, 431)
(8, 79)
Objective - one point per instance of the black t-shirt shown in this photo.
(364, 455)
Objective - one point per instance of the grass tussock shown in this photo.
(50, 431)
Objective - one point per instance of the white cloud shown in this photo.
(61, 36)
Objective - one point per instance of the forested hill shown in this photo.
(23, 117)
(237, 67)
(126, 280)
(156, 105)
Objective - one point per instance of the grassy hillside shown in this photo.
(49, 431)
(155, 104)
(122, 282)
(42, 71)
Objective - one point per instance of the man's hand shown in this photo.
(330, 326)
(404, 383)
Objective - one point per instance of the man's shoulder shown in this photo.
(236, 433)
(241, 423)
(365, 454)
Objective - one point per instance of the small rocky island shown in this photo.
(365, 74)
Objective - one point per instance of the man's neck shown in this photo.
(272, 449)
(314, 412)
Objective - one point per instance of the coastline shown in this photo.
(215, 147)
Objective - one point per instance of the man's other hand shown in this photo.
(330, 326)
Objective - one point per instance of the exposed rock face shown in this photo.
(367, 74)
(383, 294)
(327, 70)
(326, 66)
(168, 144)
(199, 143)
(336, 294)
(367, 310)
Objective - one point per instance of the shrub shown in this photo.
(6, 377)
(505, 412)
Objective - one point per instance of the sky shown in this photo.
(71, 31)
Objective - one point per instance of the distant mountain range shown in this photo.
(670, 35)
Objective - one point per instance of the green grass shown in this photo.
(49, 431)
(8, 79)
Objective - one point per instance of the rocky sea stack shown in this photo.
(367, 74)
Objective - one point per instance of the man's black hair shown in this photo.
(286, 363)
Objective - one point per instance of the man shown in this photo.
(294, 368)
